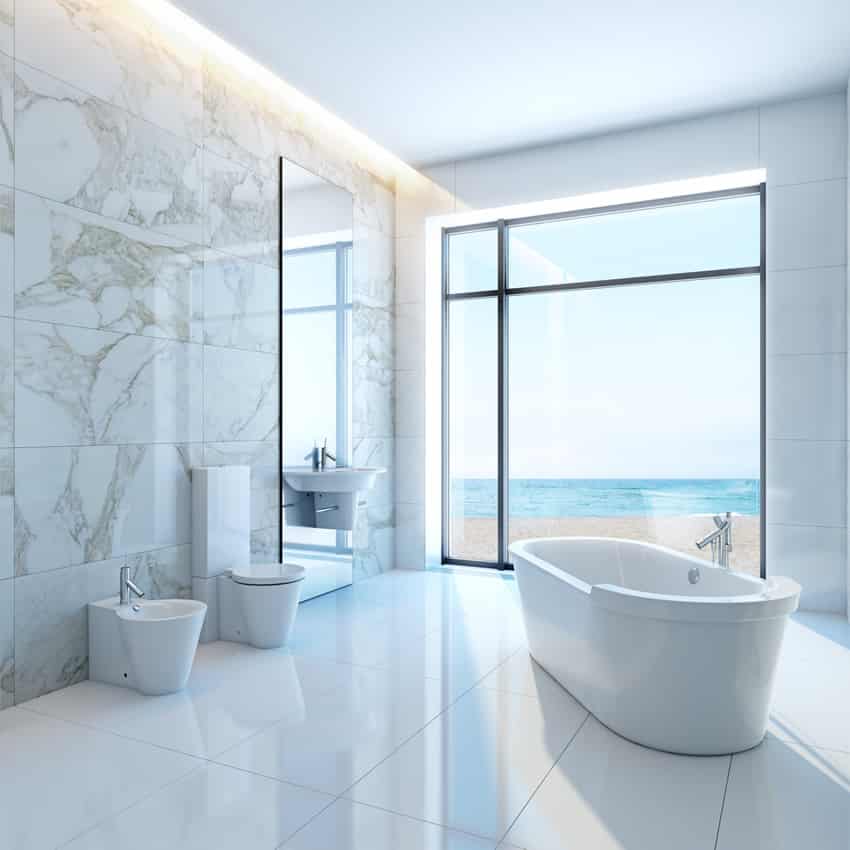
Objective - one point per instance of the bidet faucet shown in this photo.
(720, 540)
(128, 586)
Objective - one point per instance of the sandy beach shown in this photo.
(475, 538)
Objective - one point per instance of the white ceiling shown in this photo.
(444, 79)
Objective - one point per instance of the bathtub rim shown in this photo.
(775, 597)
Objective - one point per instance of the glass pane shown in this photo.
(635, 413)
(310, 394)
(474, 261)
(674, 239)
(473, 435)
(310, 278)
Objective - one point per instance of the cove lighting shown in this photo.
(614, 197)
(177, 23)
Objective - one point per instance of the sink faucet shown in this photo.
(720, 540)
(326, 455)
(313, 457)
(128, 586)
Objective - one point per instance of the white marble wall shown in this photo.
(138, 314)
(803, 146)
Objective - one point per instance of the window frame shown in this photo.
(503, 294)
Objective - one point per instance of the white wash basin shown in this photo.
(344, 479)
(160, 638)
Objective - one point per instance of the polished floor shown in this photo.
(406, 715)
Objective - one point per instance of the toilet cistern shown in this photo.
(128, 586)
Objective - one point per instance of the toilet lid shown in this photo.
(268, 574)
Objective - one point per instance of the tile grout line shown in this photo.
(545, 777)
(353, 802)
(723, 801)
(104, 731)
(132, 805)
(419, 731)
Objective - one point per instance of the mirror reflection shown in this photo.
(321, 494)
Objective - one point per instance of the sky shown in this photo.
(639, 381)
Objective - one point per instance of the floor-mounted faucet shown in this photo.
(720, 540)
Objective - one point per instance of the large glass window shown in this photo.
(473, 438)
(631, 403)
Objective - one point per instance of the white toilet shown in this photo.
(257, 604)
(247, 603)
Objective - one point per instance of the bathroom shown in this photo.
(210, 275)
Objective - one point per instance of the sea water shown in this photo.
(601, 497)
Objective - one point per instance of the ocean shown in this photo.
(599, 497)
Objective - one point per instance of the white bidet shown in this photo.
(149, 645)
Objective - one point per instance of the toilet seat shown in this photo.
(268, 574)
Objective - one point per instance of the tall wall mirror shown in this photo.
(319, 492)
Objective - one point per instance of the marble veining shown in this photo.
(240, 303)
(111, 49)
(77, 149)
(78, 268)
(240, 395)
(374, 541)
(7, 512)
(141, 271)
(240, 122)
(164, 573)
(7, 643)
(7, 412)
(7, 115)
(377, 451)
(7, 26)
(77, 387)
(240, 210)
(373, 278)
(51, 625)
(373, 337)
(77, 505)
(7, 251)
(262, 457)
(265, 545)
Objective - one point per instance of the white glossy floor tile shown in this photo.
(811, 702)
(467, 643)
(214, 808)
(343, 733)
(351, 826)
(458, 657)
(521, 674)
(58, 779)
(606, 793)
(418, 690)
(783, 796)
(234, 692)
(474, 767)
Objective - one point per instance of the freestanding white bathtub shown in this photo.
(682, 667)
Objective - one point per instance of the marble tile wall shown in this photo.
(138, 314)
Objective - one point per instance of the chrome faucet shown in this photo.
(720, 541)
(128, 586)
(326, 455)
(313, 456)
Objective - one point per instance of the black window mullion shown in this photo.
(503, 479)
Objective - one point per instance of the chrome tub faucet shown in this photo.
(720, 540)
